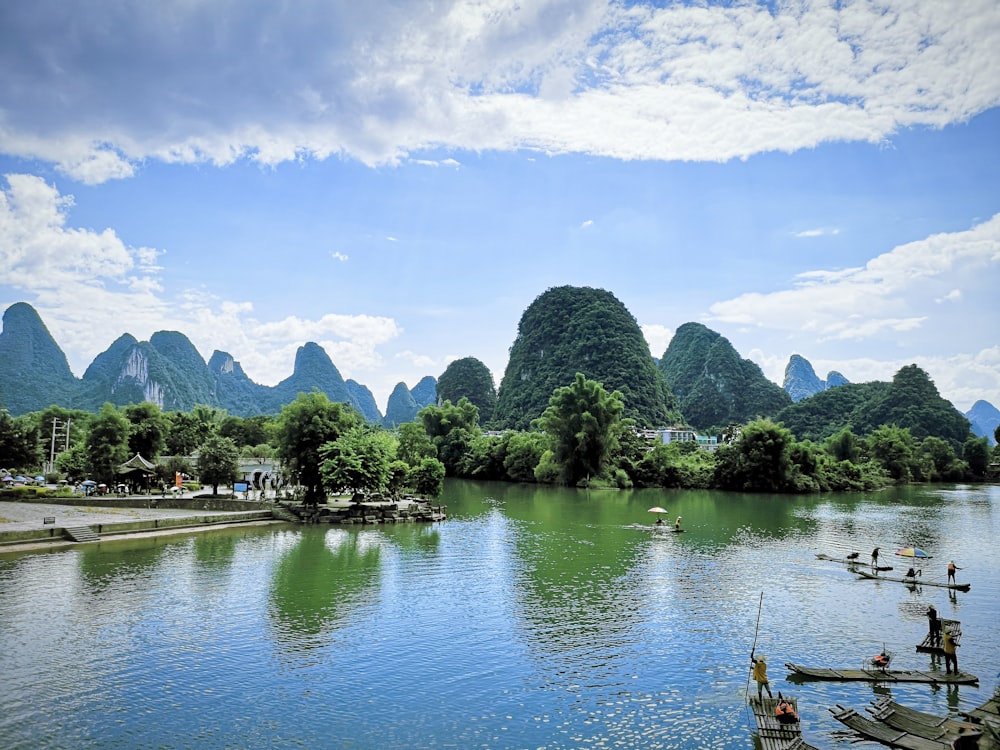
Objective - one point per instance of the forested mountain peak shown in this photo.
(469, 378)
(910, 401)
(32, 366)
(713, 385)
(580, 329)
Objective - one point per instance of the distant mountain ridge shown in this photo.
(167, 370)
(984, 418)
(802, 382)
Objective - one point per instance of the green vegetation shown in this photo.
(567, 330)
(910, 401)
(584, 421)
(218, 462)
(469, 378)
(713, 385)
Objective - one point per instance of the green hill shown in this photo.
(567, 330)
(713, 385)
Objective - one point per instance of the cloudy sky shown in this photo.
(398, 180)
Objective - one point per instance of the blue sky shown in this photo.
(398, 181)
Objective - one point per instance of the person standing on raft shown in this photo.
(934, 626)
(677, 524)
(951, 571)
(760, 675)
(950, 655)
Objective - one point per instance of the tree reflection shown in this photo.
(320, 583)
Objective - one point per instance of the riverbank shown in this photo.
(42, 525)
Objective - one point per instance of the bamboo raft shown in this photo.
(914, 581)
(926, 647)
(773, 734)
(910, 738)
(883, 675)
(921, 724)
(849, 561)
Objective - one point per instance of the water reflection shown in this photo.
(534, 617)
(319, 583)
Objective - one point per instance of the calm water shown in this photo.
(532, 618)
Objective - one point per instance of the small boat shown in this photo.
(887, 734)
(914, 581)
(850, 561)
(934, 677)
(920, 723)
(953, 626)
(774, 734)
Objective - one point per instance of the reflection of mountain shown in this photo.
(575, 594)
(320, 582)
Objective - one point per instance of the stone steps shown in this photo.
(81, 534)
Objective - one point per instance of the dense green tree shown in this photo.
(941, 459)
(247, 430)
(452, 429)
(583, 421)
(184, 434)
(524, 452)
(148, 428)
(303, 427)
(578, 329)
(843, 446)
(107, 444)
(484, 458)
(427, 478)
(167, 471)
(976, 452)
(73, 464)
(398, 470)
(759, 460)
(19, 442)
(469, 378)
(414, 443)
(77, 421)
(895, 450)
(829, 412)
(358, 461)
(218, 462)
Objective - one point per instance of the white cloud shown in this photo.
(379, 82)
(587, 223)
(889, 294)
(86, 284)
(657, 338)
(806, 233)
(339, 256)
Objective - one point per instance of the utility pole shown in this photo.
(60, 428)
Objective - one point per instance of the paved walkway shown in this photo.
(16, 516)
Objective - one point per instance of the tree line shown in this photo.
(582, 439)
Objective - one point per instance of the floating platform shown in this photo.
(916, 581)
(773, 734)
(933, 677)
(849, 561)
(919, 723)
(926, 647)
(887, 734)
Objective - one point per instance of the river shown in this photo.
(533, 617)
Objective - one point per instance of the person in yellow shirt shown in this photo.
(760, 675)
(950, 655)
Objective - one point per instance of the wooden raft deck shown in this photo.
(889, 735)
(933, 677)
(925, 646)
(940, 728)
(772, 733)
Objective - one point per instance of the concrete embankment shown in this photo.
(47, 523)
